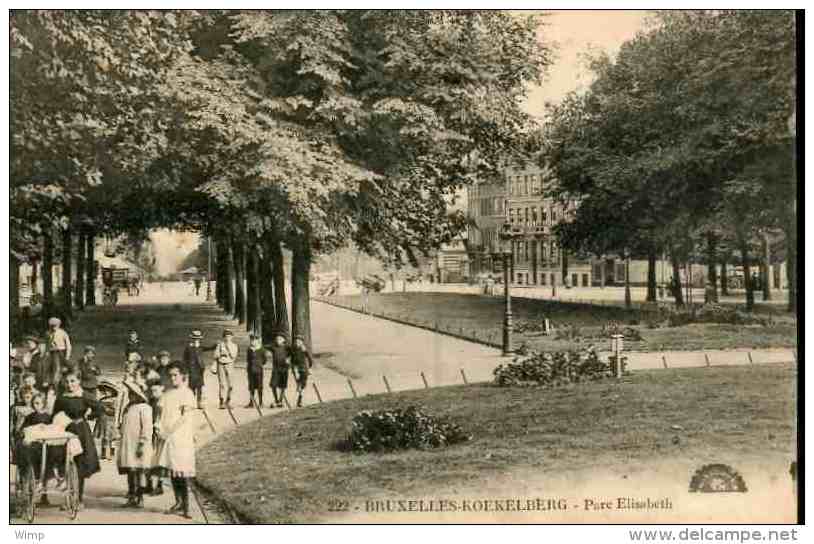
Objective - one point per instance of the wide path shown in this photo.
(165, 313)
(374, 354)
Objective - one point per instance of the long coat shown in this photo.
(193, 358)
(136, 429)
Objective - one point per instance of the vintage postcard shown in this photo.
(404, 267)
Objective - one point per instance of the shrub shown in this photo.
(715, 313)
(552, 368)
(400, 429)
(568, 331)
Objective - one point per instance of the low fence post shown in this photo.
(386, 384)
(664, 360)
(749, 354)
(352, 390)
(706, 357)
(463, 375)
(316, 390)
(424, 379)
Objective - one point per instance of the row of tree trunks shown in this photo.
(226, 275)
(676, 286)
(80, 271)
(765, 272)
(220, 278)
(724, 279)
(747, 276)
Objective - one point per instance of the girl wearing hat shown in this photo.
(135, 453)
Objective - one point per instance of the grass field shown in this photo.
(481, 317)
(287, 468)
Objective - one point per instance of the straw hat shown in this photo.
(55, 321)
(135, 389)
(196, 335)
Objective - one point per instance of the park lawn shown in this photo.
(288, 468)
(481, 317)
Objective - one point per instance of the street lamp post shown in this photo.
(506, 239)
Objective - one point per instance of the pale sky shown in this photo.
(574, 33)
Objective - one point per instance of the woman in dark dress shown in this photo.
(78, 408)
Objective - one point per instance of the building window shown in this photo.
(585, 280)
(534, 216)
(542, 279)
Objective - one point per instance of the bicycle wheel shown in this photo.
(30, 491)
(72, 491)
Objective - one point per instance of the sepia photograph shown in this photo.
(415, 266)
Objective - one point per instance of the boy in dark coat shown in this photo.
(255, 360)
(280, 353)
(193, 358)
(301, 363)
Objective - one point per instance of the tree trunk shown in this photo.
(252, 298)
(90, 270)
(767, 264)
(300, 297)
(651, 275)
(602, 272)
(35, 269)
(67, 272)
(676, 284)
(240, 293)
(79, 296)
(712, 265)
(747, 277)
(265, 281)
(724, 279)
(228, 291)
(47, 273)
(278, 272)
(14, 288)
(628, 299)
(791, 263)
(564, 257)
(220, 275)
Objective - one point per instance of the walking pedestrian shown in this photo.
(301, 363)
(36, 361)
(193, 358)
(177, 422)
(226, 353)
(135, 453)
(155, 485)
(133, 345)
(59, 350)
(163, 369)
(197, 286)
(89, 373)
(280, 354)
(255, 360)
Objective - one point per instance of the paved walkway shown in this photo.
(347, 345)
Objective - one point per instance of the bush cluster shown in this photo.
(715, 313)
(400, 429)
(552, 368)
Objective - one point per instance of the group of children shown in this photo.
(153, 416)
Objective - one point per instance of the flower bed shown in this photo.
(552, 368)
(401, 429)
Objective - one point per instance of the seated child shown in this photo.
(23, 407)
